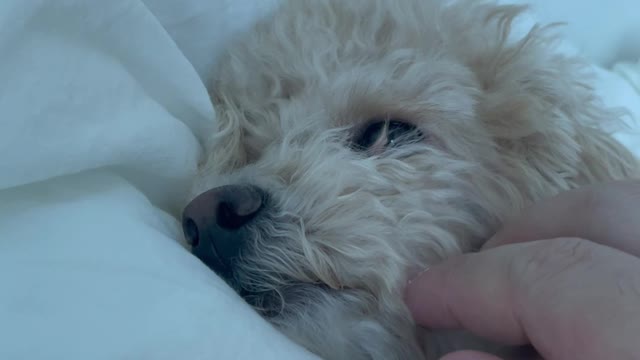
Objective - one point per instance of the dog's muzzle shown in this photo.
(215, 224)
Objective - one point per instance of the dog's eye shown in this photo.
(382, 134)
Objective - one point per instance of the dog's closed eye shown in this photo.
(379, 135)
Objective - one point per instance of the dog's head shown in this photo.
(360, 141)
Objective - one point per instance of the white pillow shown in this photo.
(603, 31)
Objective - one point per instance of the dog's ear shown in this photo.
(537, 103)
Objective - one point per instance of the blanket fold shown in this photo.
(90, 84)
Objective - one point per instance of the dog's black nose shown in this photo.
(214, 223)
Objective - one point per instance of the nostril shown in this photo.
(191, 232)
(229, 218)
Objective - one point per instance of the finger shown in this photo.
(606, 214)
(563, 296)
(469, 292)
(469, 355)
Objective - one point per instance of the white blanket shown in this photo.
(103, 109)
(101, 117)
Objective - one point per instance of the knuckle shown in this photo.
(548, 261)
(607, 196)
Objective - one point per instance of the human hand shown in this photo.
(563, 277)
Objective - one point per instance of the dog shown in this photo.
(359, 142)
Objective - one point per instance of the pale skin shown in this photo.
(563, 277)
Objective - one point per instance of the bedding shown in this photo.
(103, 110)
(101, 121)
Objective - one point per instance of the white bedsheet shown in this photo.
(102, 111)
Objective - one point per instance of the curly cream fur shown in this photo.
(506, 122)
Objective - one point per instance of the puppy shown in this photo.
(360, 141)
